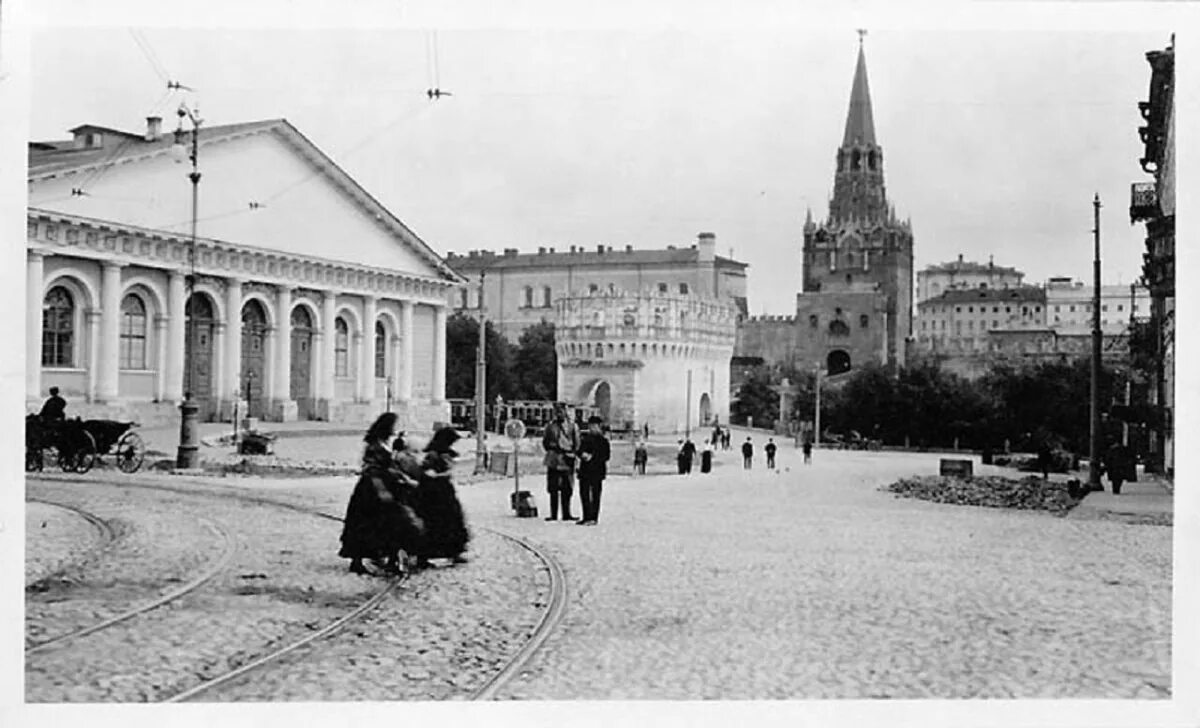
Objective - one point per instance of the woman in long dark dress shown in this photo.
(380, 521)
(446, 533)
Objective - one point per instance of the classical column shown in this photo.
(176, 332)
(405, 364)
(396, 344)
(107, 382)
(34, 281)
(161, 357)
(439, 353)
(282, 381)
(232, 361)
(325, 386)
(366, 368)
(92, 351)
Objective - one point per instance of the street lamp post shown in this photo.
(188, 456)
(1094, 449)
(817, 408)
(480, 386)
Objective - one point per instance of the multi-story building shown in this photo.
(856, 302)
(934, 280)
(646, 358)
(959, 321)
(520, 288)
(306, 301)
(1154, 204)
(1069, 306)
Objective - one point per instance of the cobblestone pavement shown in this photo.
(64, 538)
(806, 583)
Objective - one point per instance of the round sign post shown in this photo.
(515, 429)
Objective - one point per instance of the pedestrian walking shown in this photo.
(639, 458)
(727, 439)
(689, 455)
(561, 442)
(770, 449)
(716, 436)
(446, 534)
(807, 448)
(594, 452)
(706, 458)
(747, 454)
(380, 521)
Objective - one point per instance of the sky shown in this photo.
(995, 141)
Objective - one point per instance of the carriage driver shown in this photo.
(54, 408)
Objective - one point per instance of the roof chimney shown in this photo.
(153, 128)
(541, 250)
(628, 248)
(960, 260)
(599, 248)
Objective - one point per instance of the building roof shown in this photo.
(51, 159)
(860, 123)
(486, 259)
(968, 266)
(975, 295)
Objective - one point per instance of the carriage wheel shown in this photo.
(131, 451)
(79, 454)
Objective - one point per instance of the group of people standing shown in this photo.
(404, 510)
(565, 447)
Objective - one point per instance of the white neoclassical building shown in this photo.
(311, 300)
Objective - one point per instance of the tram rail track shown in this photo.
(555, 604)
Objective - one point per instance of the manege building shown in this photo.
(311, 300)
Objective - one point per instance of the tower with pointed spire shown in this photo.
(861, 247)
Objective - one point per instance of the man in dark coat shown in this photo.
(594, 452)
(770, 450)
(686, 455)
(54, 409)
(561, 442)
(747, 454)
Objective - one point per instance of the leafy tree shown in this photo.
(536, 363)
(756, 398)
(462, 341)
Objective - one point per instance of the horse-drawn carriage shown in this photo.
(76, 444)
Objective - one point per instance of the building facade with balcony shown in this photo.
(934, 280)
(1154, 204)
(520, 289)
(309, 299)
(646, 359)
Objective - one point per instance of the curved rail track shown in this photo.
(107, 534)
(555, 604)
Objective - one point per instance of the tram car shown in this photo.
(536, 414)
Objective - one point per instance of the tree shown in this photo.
(756, 398)
(462, 341)
(536, 363)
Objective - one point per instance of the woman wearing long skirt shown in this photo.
(706, 458)
(446, 533)
(380, 521)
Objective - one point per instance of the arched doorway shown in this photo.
(705, 409)
(198, 352)
(598, 394)
(254, 347)
(837, 362)
(301, 374)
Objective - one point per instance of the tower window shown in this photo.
(683, 288)
(662, 287)
(864, 321)
(813, 321)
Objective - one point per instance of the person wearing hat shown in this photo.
(54, 408)
(594, 452)
(446, 533)
(561, 442)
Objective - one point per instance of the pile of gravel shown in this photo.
(991, 491)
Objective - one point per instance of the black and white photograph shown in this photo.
(545, 364)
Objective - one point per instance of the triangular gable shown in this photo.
(308, 205)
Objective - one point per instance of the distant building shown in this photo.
(1154, 204)
(959, 321)
(646, 359)
(1069, 306)
(934, 280)
(520, 289)
(855, 306)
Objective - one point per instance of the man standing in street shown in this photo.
(770, 450)
(747, 453)
(593, 467)
(561, 442)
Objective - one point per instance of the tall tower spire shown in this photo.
(858, 189)
(860, 122)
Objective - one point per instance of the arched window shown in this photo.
(838, 328)
(58, 328)
(380, 351)
(341, 348)
(133, 333)
(864, 321)
(527, 297)
(813, 321)
(546, 297)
